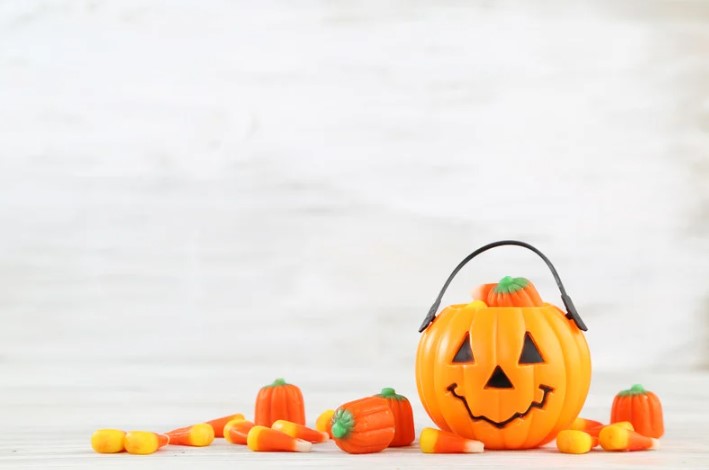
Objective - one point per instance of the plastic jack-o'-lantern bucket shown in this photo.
(509, 376)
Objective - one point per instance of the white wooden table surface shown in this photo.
(189, 187)
(50, 427)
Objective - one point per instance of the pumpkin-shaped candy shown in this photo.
(363, 426)
(279, 400)
(403, 418)
(642, 408)
(513, 292)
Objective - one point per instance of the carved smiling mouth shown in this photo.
(501, 424)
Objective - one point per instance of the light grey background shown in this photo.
(275, 185)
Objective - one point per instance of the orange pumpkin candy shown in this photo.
(509, 376)
(363, 426)
(279, 400)
(514, 292)
(403, 418)
(642, 408)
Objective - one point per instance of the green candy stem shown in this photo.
(277, 382)
(509, 285)
(342, 423)
(388, 392)
(636, 389)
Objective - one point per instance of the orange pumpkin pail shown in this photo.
(511, 374)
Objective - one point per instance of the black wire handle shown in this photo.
(571, 312)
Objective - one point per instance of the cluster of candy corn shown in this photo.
(372, 424)
(586, 434)
(282, 436)
(111, 441)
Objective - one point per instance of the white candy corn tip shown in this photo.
(474, 447)
(325, 436)
(655, 443)
(302, 446)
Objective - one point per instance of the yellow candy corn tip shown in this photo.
(624, 424)
(201, 435)
(476, 304)
(613, 438)
(427, 440)
(285, 427)
(581, 424)
(141, 442)
(574, 442)
(230, 424)
(252, 436)
(107, 441)
(323, 420)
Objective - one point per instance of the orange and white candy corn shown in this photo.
(144, 442)
(573, 441)
(263, 439)
(434, 441)
(617, 438)
(299, 431)
(324, 422)
(219, 423)
(108, 441)
(198, 435)
(237, 430)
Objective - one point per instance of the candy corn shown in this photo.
(597, 430)
(586, 425)
(593, 428)
(237, 430)
(263, 439)
(623, 424)
(618, 438)
(143, 442)
(218, 423)
(108, 441)
(324, 422)
(299, 431)
(572, 441)
(433, 441)
(199, 435)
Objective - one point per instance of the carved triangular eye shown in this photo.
(530, 352)
(465, 353)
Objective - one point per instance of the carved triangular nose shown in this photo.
(499, 379)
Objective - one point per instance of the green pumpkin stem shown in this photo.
(636, 389)
(509, 285)
(390, 393)
(278, 382)
(342, 423)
